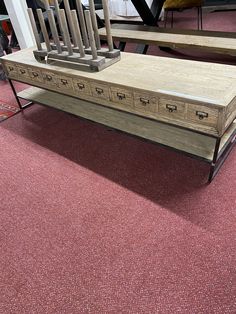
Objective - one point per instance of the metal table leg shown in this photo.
(17, 98)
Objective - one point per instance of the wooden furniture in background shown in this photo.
(195, 101)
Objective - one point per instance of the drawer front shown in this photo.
(172, 109)
(145, 102)
(122, 96)
(11, 69)
(23, 72)
(100, 91)
(202, 115)
(65, 83)
(81, 87)
(35, 75)
(49, 79)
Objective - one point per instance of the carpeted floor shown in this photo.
(95, 221)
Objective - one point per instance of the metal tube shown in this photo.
(108, 25)
(34, 27)
(90, 33)
(66, 31)
(54, 30)
(94, 23)
(68, 14)
(57, 8)
(82, 23)
(79, 41)
(44, 29)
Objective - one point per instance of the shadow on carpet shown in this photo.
(7, 111)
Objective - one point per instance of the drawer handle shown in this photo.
(171, 108)
(35, 74)
(64, 82)
(144, 101)
(22, 71)
(201, 115)
(80, 85)
(120, 96)
(99, 91)
(48, 77)
(11, 69)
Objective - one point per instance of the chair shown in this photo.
(180, 5)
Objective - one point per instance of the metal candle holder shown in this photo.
(81, 46)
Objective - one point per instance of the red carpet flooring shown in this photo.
(95, 221)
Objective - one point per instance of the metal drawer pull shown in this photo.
(171, 108)
(201, 115)
(80, 85)
(99, 91)
(35, 74)
(144, 101)
(22, 71)
(11, 69)
(48, 77)
(120, 96)
(64, 82)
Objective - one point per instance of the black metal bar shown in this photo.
(141, 49)
(15, 94)
(144, 12)
(214, 161)
(122, 45)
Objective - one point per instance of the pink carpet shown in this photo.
(95, 221)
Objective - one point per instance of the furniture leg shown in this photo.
(17, 98)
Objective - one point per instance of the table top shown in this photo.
(187, 80)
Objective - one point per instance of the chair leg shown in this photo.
(172, 19)
(201, 18)
(165, 17)
(198, 18)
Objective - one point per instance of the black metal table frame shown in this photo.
(216, 163)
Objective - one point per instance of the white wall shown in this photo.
(17, 11)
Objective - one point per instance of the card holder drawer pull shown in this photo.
(11, 69)
(144, 101)
(35, 74)
(64, 82)
(120, 96)
(171, 108)
(201, 115)
(48, 77)
(80, 86)
(22, 71)
(99, 91)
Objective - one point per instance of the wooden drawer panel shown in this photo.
(35, 75)
(202, 115)
(11, 69)
(145, 102)
(172, 109)
(23, 72)
(65, 83)
(49, 79)
(100, 91)
(81, 87)
(122, 96)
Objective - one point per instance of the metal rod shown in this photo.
(44, 29)
(79, 41)
(34, 27)
(107, 25)
(82, 23)
(90, 33)
(94, 23)
(66, 31)
(54, 30)
(68, 14)
(57, 8)
(46, 5)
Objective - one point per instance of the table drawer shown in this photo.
(145, 102)
(35, 75)
(23, 72)
(100, 91)
(65, 83)
(11, 69)
(122, 96)
(49, 79)
(202, 115)
(172, 109)
(81, 87)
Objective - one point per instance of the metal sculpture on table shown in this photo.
(80, 45)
